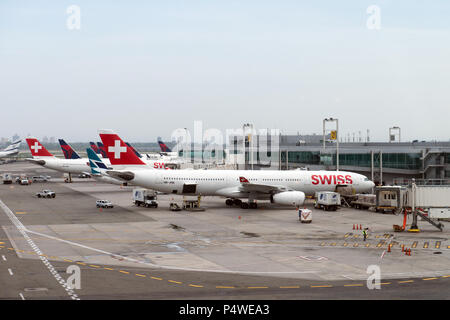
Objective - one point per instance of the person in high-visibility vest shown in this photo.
(365, 233)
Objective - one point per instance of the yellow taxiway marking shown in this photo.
(425, 245)
(126, 272)
(406, 281)
(21, 212)
(257, 287)
(353, 285)
(429, 279)
(345, 244)
(195, 286)
(108, 269)
(67, 260)
(386, 283)
(141, 275)
(448, 247)
(367, 245)
(446, 276)
(322, 244)
(224, 287)
(356, 244)
(82, 263)
(414, 244)
(290, 287)
(437, 245)
(2, 243)
(94, 266)
(333, 244)
(323, 286)
(356, 236)
(173, 281)
(155, 278)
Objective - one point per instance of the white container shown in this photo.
(439, 213)
(305, 215)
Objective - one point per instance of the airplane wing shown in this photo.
(247, 186)
(123, 175)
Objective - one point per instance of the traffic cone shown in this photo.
(409, 252)
(403, 247)
(353, 226)
(389, 248)
(360, 227)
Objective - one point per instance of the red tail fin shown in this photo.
(37, 149)
(118, 152)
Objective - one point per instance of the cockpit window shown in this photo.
(366, 179)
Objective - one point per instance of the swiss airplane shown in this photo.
(43, 157)
(11, 150)
(288, 187)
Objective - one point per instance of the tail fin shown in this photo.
(94, 147)
(13, 146)
(96, 164)
(37, 149)
(163, 146)
(69, 153)
(102, 150)
(134, 150)
(118, 152)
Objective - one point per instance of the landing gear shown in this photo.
(244, 205)
(229, 202)
(237, 202)
(253, 205)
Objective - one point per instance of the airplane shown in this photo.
(69, 153)
(102, 150)
(288, 187)
(98, 169)
(42, 157)
(94, 147)
(11, 150)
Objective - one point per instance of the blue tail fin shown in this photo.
(96, 164)
(163, 146)
(102, 150)
(69, 153)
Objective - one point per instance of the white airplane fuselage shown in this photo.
(227, 182)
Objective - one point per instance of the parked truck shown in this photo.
(327, 200)
(364, 201)
(145, 197)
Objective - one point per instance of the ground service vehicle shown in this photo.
(104, 204)
(46, 194)
(145, 197)
(327, 200)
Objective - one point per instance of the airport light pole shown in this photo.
(334, 136)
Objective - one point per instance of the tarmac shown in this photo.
(130, 252)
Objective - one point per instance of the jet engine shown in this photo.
(290, 198)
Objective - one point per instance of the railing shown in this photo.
(421, 182)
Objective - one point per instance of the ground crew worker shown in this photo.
(365, 233)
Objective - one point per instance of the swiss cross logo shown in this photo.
(36, 147)
(117, 149)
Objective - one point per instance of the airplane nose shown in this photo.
(371, 184)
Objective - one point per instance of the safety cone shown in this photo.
(360, 227)
(403, 247)
(353, 226)
(409, 252)
(389, 248)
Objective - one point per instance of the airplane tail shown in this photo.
(37, 149)
(134, 150)
(163, 146)
(102, 150)
(94, 147)
(96, 164)
(13, 147)
(118, 152)
(69, 153)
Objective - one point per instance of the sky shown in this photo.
(146, 68)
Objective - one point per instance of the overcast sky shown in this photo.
(145, 68)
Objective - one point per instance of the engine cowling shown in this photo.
(289, 198)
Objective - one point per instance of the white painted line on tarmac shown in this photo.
(21, 228)
(4, 258)
(166, 267)
(21, 296)
(10, 272)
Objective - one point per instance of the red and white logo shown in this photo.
(37, 149)
(243, 180)
(118, 152)
(331, 179)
